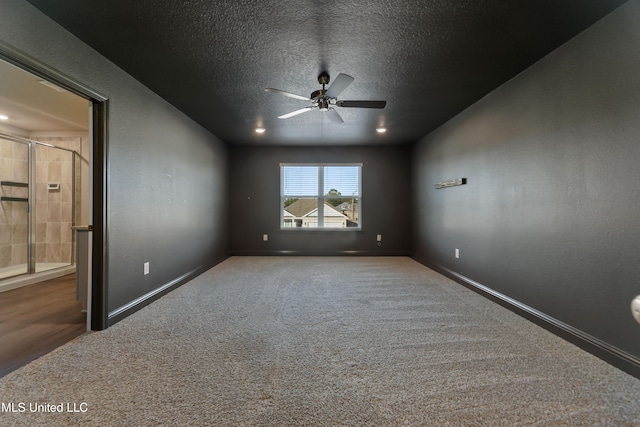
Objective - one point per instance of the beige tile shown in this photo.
(54, 196)
(66, 175)
(53, 252)
(21, 171)
(66, 193)
(42, 169)
(54, 174)
(42, 212)
(19, 254)
(41, 192)
(76, 144)
(53, 233)
(66, 233)
(6, 233)
(6, 169)
(6, 213)
(5, 255)
(66, 212)
(20, 215)
(42, 153)
(54, 212)
(56, 155)
(6, 148)
(41, 252)
(20, 234)
(65, 252)
(41, 233)
(20, 151)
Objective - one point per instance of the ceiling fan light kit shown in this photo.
(324, 99)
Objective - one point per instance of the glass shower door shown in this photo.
(54, 210)
(14, 206)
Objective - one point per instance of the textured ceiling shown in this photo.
(429, 59)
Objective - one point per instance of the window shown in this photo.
(320, 196)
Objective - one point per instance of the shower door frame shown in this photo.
(32, 246)
(31, 198)
(27, 255)
(97, 316)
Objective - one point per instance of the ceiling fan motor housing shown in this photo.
(324, 78)
(323, 104)
(319, 97)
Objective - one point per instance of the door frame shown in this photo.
(99, 166)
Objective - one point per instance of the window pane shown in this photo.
(300, 180)
(349, 207)
(302, 201)
(341, 181)
(300, 213)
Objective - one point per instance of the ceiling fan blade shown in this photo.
(362, 104)
(333, 116)
(295, 113)
(290, 95)
(339, 84)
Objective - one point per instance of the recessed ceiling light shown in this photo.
(381, 130)
(260, 130)
(3, 117)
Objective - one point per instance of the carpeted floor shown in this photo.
(321, 341)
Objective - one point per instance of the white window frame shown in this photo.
(320, 196)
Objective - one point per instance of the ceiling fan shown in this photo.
(323, 99)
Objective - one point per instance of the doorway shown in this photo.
(57, 188)
(42, 189)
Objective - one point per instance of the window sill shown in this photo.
(299, 229)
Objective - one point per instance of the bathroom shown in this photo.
(41, 202)
(44, 208)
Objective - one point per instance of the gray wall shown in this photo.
(255, 202)
(550, 215)
(167, 176)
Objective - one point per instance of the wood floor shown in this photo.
(36, 319)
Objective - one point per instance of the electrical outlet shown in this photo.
(457, 253)
(145, 268)
(635, 308)
(265, 237)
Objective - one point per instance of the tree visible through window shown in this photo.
(320, 196)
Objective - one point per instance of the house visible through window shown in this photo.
(320, 196)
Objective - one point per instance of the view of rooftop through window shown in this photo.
(304, 188)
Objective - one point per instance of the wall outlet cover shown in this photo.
(635, 308)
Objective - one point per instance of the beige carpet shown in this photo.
(321, 341)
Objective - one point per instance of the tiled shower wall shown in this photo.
(53, 208)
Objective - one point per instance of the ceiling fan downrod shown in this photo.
(320, 95)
